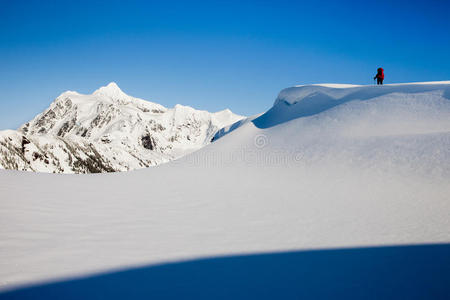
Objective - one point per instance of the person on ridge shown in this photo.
(380, 76)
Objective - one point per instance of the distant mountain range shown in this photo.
(107, 131)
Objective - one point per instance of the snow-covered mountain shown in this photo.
(107, 131)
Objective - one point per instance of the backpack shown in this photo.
(380, 73)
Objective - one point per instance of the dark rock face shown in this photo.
(94, 162)
(25, 142)
(67, 127)
(25, 128)
(148, 142)
(36, 156)
(47, 121)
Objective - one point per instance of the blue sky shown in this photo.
(211, 54)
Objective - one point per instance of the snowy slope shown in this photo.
(309, 100)
(326, 167)
(105, 132)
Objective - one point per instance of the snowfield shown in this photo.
(326, 167)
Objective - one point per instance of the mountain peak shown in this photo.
(112, 90)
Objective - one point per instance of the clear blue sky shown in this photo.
(211, 54)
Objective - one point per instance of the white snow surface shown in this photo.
(323, 168)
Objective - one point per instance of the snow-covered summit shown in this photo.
(112, 91)
(108, 130)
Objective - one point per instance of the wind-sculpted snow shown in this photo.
(105, 132)
(372, 170)
(308, 100)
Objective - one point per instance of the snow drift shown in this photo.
(301, 101)
(325, 167)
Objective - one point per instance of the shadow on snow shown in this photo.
(400, 272)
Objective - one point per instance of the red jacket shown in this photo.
(380, 73)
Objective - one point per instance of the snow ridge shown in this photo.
(298, 102)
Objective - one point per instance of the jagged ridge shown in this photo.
(107, 131)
